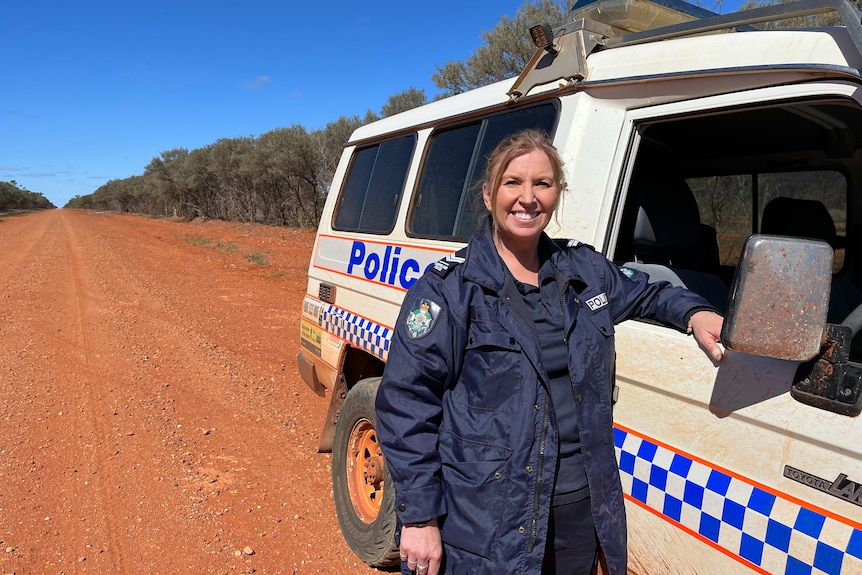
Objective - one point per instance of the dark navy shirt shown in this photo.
(545, 305)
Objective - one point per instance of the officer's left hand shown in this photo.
(706, 328)
(422, 548)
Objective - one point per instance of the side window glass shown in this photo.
(373, 186)
(348, 210)
(804, 204)
(726, 205)
(441, 185)
(448, 203)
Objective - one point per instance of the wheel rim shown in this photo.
(365, 470)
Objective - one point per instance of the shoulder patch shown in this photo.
(628, 272)
(443, 266)
(423, 317)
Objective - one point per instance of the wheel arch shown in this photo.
(357, 364)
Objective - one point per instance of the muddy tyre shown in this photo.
(365, 509)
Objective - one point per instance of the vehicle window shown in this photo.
(373, 186)
(700, 186)
(442, 182)
(725, 204)
(447, 203)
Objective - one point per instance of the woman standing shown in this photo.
(494, 412)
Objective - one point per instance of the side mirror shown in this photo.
(779, 298)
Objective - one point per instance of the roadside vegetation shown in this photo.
(15, 198)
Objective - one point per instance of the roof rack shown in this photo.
(627, 16)
(566, 58)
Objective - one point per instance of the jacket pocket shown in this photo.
(472, 471)
(605, 326)
(492, 373)
(602, 320)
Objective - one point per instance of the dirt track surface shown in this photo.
(152, 419)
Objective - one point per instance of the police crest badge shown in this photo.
(422, 318)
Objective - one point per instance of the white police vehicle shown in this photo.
(690, 141)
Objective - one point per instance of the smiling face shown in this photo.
(523, 203)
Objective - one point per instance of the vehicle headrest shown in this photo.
(800, 218)
(668, 215)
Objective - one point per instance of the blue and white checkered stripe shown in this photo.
(758, 527)
(359, 331)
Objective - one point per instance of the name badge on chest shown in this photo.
(597, 302)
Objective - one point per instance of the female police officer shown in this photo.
(494, 412)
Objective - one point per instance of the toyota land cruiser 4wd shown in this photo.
(717, 152)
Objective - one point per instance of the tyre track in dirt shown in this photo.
(46, 270)
(151, 418)
(76, 280)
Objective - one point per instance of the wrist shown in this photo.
(690, 315)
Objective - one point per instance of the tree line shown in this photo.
(13, 197)
(279, 178)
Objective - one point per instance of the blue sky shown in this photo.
(91, 91)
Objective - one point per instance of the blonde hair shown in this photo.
(517, 145)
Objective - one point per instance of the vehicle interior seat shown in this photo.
(802, 218)
(670, 243)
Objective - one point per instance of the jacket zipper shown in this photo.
(534, 525)
(540, 467)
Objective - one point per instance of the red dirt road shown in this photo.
(151, 416)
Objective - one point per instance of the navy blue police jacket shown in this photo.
(464, 412)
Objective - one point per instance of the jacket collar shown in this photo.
(484, 266)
